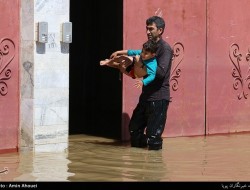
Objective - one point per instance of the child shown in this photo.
(146, 61)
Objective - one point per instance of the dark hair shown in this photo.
(159, 22)
(150, 46)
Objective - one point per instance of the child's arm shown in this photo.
(140, 69)
(151, 71)
(117, 53)
(133, 52)
(125, 52)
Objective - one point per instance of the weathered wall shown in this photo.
(44, 77)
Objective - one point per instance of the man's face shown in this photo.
(152, 32)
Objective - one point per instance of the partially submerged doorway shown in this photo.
(95, 92)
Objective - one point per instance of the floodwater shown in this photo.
(97, 159)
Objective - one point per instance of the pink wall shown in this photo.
(9, 75)
(228, 99)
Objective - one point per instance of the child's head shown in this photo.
(149, 49)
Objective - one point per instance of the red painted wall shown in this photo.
(9, 75)
(228, 74)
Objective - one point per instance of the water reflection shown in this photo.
(107, 160)
(211, 158)
(28, 166)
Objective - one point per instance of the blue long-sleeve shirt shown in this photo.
(159, 88)
(151, 66)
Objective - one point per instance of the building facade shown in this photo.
(209, 80)
(40, 96)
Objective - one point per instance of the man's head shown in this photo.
(155, 26)
(149, 49)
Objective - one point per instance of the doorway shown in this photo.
(95, 94)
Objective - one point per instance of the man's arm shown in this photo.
(164, 60)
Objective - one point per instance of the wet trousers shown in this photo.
(147, 124)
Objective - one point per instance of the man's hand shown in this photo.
(122, 67)
(125, 61)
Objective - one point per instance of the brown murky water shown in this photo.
(92, 159)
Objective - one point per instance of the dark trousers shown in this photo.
(152, 117)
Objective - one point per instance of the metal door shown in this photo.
(9, 75)
(228, 66)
